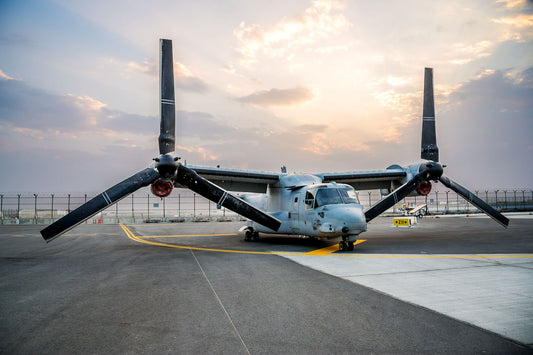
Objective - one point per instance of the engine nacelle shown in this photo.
(424, 188)
(161, 187)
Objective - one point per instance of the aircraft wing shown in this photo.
(368, 180)
(238, 180)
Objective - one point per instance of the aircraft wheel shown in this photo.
(342, 246)
(255, 236)
(350, 246)
(247, 236)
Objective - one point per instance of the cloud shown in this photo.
(485, 132)
(187, 81)
(320, 21)
(184, 78)
(513, 3)
(517, 28)
(35, 113)
(4, 76)
(279, 97)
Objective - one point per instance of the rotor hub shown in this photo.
(431, 171)
(166, 166)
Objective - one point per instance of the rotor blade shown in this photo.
(99, 203)
(430, 151)
(476, 201)
(393, 198)
(167, 111)
(207, 189)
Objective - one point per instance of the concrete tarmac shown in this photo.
(102, 288)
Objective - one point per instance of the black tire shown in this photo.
(247, 236)
(350, 246)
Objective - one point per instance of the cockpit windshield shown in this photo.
(330, 196)
(348, 195)
(327, 197)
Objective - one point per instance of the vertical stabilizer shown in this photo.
(430, 151)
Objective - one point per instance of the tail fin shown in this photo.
(430, 151)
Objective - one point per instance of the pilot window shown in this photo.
(349, 195)
(327, 197)
(309, 200)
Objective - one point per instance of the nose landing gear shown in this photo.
(345, 244)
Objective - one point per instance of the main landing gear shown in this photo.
(345, 244)
(250, 235)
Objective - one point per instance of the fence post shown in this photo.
(514, 192)
(194, 205)
(179, 205)
(148, 203)
(18, 207)
(164, 211)
(437, 200)
(369, 198)
(447, 205)
(496, 192)
(505, 198)
(116, 212)
(2, 207)
(35, 209)
(132, 209)
(68, 204)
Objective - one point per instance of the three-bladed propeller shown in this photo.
(431, 170)
(165, 172)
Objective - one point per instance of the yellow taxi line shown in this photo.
(328, 251)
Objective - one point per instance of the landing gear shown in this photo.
(345, 245)
(250, 235)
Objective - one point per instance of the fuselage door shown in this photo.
(294, 210)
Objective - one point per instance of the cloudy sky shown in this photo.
(318, 86)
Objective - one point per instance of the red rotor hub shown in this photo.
(162, 188)
(423, 188)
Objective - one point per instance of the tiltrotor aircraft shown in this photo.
(317, 205)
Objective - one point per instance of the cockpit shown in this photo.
(330, 195)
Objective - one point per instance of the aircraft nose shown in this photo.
(353, 220)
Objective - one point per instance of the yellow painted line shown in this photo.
(187, 235)
(140, 240)
(331, 249)
(18, 235)
(343, 255)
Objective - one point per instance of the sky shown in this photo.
(318, 86)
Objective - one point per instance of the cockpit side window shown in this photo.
(327, 197)
(348, 195)
(309, 200)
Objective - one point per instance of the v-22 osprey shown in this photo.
(317, 205)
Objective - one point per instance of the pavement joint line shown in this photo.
(220, 303)
(424, 270)
(436, 256)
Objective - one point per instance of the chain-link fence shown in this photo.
(184, 205)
